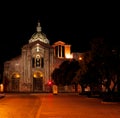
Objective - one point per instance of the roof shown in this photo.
(39, 35)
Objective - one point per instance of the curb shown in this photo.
(2, 96)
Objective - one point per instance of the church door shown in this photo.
(15, 85)
(38, 84)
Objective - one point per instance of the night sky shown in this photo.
(73, 23)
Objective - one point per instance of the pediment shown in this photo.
(59, 43)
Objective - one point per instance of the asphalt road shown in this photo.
(56, 106)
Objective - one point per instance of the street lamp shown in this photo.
(80, 58)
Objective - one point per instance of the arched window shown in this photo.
(37, 61)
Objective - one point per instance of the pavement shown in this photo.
(62, 106)
(2, 95)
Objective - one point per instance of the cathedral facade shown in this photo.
(31, 71)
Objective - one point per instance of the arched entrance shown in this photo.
(15, 82)
(37, 81)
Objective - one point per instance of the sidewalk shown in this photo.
(2, 95)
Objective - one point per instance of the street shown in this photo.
(62, 105)
(19, 106)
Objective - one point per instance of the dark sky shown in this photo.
(74, 23)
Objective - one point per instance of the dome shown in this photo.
(39, 36)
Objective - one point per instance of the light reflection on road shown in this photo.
(56, 106)
(19, 106)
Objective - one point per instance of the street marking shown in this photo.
(39, 110)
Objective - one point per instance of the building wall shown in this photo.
(31, 71)
(22, 66)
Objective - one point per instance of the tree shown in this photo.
(106, 63)
(81, 73)
(56, 75)
(65, 73)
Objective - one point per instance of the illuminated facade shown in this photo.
(31, 71)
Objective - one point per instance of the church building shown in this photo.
(31, 71)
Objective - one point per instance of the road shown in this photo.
(19, 106)
(47, 105)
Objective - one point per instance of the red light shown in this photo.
(49, 83)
